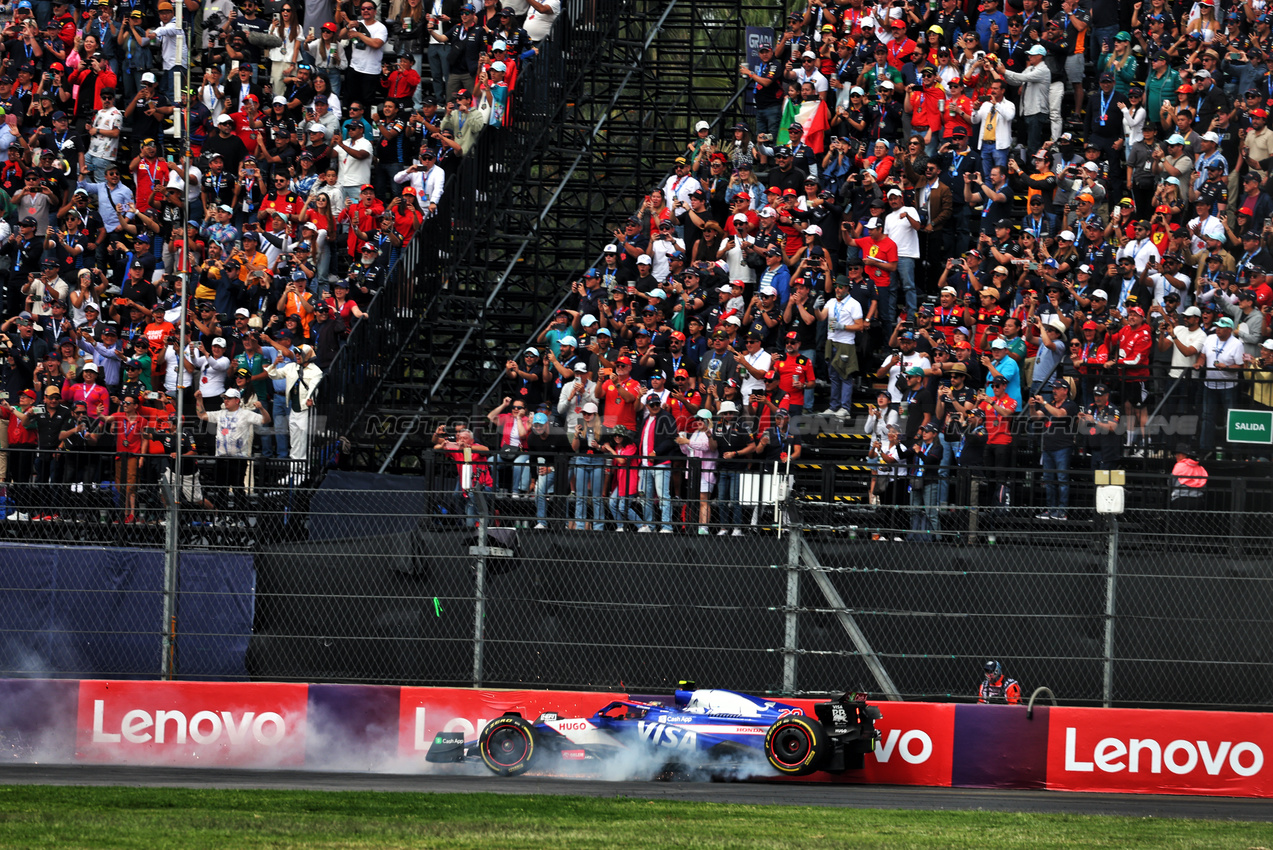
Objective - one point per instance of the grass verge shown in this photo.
(68, 817)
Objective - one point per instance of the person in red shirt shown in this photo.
(20, 458)
(149, 171)
(89, 391)
(927, 104)
(957, 112)
(282, 200)
(999, 410)
(988, 323)
(365, 214)
(1129, 353)
(949, 314)
(403, 81)
(619, 394)
(472, 472)
(901, 47)
(131, 444)
(879, 256)
(795, 374)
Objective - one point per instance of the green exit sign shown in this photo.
(1251, 426)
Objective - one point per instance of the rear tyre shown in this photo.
(507, 745)
(796, 745)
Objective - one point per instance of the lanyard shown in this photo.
(956, 161)
(1105, 102)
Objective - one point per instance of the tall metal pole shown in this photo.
(791, 617)
(168, 664)
(1111, 578)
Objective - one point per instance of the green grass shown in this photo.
(66, 817)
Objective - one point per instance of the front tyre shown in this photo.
(796, 745)
(507, 745)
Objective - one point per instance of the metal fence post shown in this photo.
(479, 589)
(791, 618)
(1111, 577)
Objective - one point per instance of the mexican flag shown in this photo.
(813, 116)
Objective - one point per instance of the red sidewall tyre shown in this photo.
(507, 745)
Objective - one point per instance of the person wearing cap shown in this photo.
(17, 463)
(48, 425)
(367, 37)
(1099, 428)
(1247, 318)
(544, 444)
(1103, 123)
(768, 92)
(210, 368)
(1185, 339)
(923, 457)
(656, 442)
(699, 444)
(1057, 413)
(297, 366)
(235, 427)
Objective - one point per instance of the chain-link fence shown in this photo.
(389, 579)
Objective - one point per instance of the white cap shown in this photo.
(498, 66)
(243, 311)
(1211, 136)
(1067, 235)
(874, 222)
(223, 118)
(533, 352)
(1099, 293)
(1194, 311)
(500, 44)
(219, 341)
(885, 84)
(1268, 343)
(1204, 74)
(611, 248)
(868, 21)
(730, 407)
(808, 54)
(948, 290)
(856, 90)
(148, 77)
(702, 125)
(644, 260)
(309, 225)
(233, 393)
(568, 340)
(768, 290)
(90, 366)
(767, 212)
(998, 343)
(814, 229)
(317, 128)
(588, 321)
(92, 305)
(892, 192)
(734, 320)
(1091, 166)
(739, 217)
(278, 98)
(589, 407)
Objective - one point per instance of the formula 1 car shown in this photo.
(704, 727)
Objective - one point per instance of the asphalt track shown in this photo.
(748, 793)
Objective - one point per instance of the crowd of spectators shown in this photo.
(256, 167)
(1040, 232)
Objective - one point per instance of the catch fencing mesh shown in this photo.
(427, 587)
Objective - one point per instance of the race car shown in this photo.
(704, 728)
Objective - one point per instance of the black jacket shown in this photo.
(664, 434)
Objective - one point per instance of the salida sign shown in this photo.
(191, 723)
(1172, 752)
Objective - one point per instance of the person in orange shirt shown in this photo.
(296, 301)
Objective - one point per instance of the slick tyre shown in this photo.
(507, 745)
(796, 745)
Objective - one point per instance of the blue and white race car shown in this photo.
(704, 727)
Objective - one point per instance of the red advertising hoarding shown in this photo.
(1160, 752)
(189, 724)
(427, 711)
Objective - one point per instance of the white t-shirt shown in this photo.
(839, 314)
(901, 232)
(539, 24)
(212, 373)
(354, 171)
(659, 253)
(234, 430)
(906, 362)
(1192, 339)
(105, 147)
(1225, 352)
(364, 59)
(819, 82)
(760, 360)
